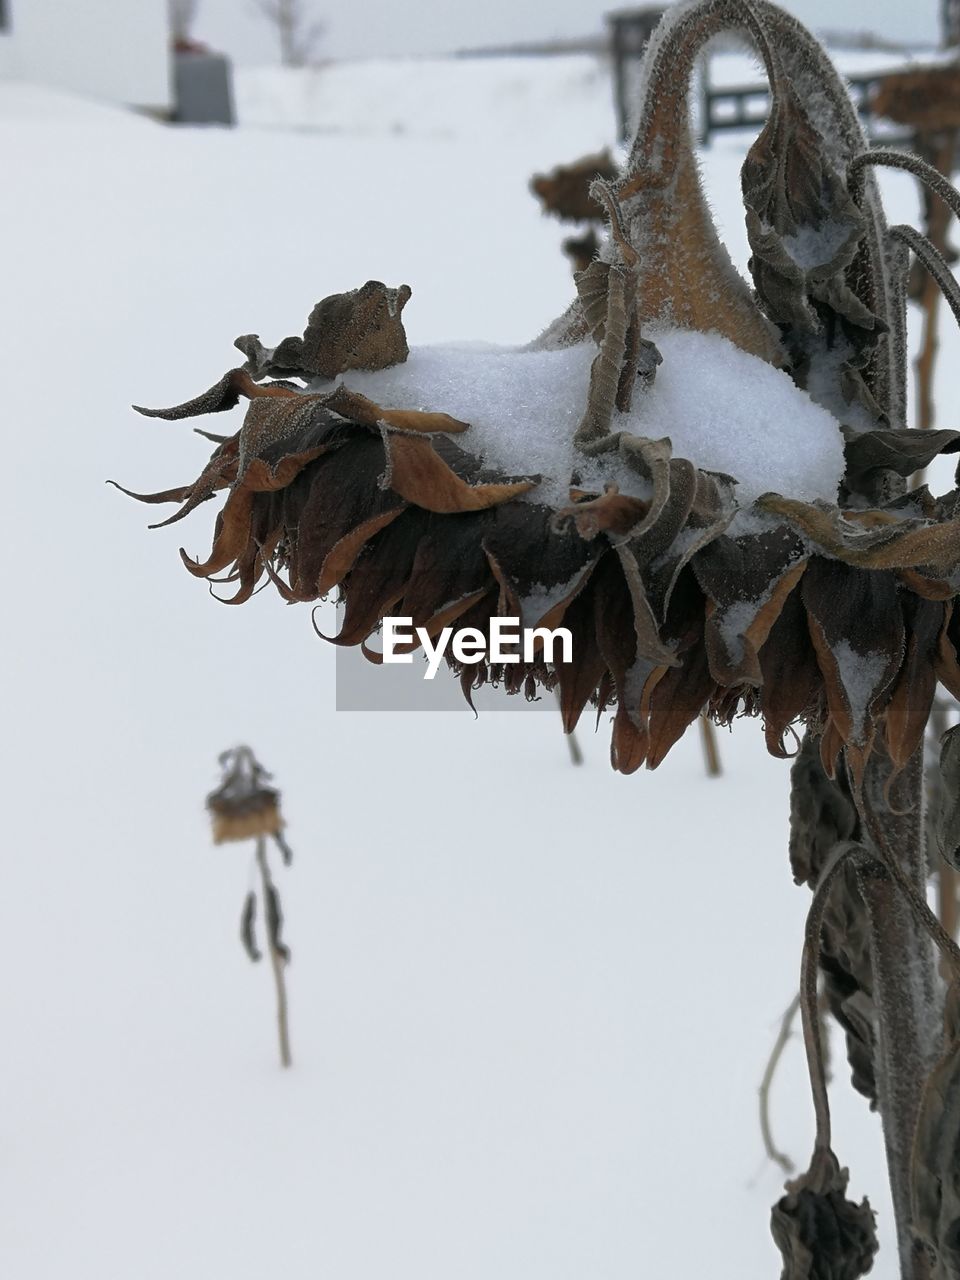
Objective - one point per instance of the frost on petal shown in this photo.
(856, 624)
(747, 580)
(539, 572)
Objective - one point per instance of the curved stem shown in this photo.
(809, 1004)
(934, 261)
(910, 163)
(776, 1053)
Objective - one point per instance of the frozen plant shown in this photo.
(774, 563)
(244, 807)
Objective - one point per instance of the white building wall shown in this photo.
(114, 50)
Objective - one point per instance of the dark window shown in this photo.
(4, 15)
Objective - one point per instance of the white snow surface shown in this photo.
(439, 98)
(524, 1049)
(723, 409)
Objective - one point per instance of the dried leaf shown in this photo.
(903, 452)
(275, 923)
(248, 926)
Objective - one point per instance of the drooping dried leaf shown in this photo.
(747, 580)
(823, 815)
(903, 452)
(802, 225)
(286, 852)
(857, 628)
(890, 544)
(790, 676)
(275, 923)
(248, 926)
(540, 574)
(908, 708)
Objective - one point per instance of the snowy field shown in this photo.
(530, 1006)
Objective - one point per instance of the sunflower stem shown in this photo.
(907, 992)
(277, 961)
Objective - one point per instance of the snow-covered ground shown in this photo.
(530, 1005)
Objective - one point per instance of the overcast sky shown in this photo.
(372, 27)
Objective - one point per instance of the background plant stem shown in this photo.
(277, 961)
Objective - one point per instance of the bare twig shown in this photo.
(783, 1035)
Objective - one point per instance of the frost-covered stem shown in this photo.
(906, 989)
(948, 882)
(276, 960)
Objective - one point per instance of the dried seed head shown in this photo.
(243, 806)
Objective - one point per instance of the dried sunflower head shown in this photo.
(705, 482)
(243, 806)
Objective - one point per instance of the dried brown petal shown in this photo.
(418, 473)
